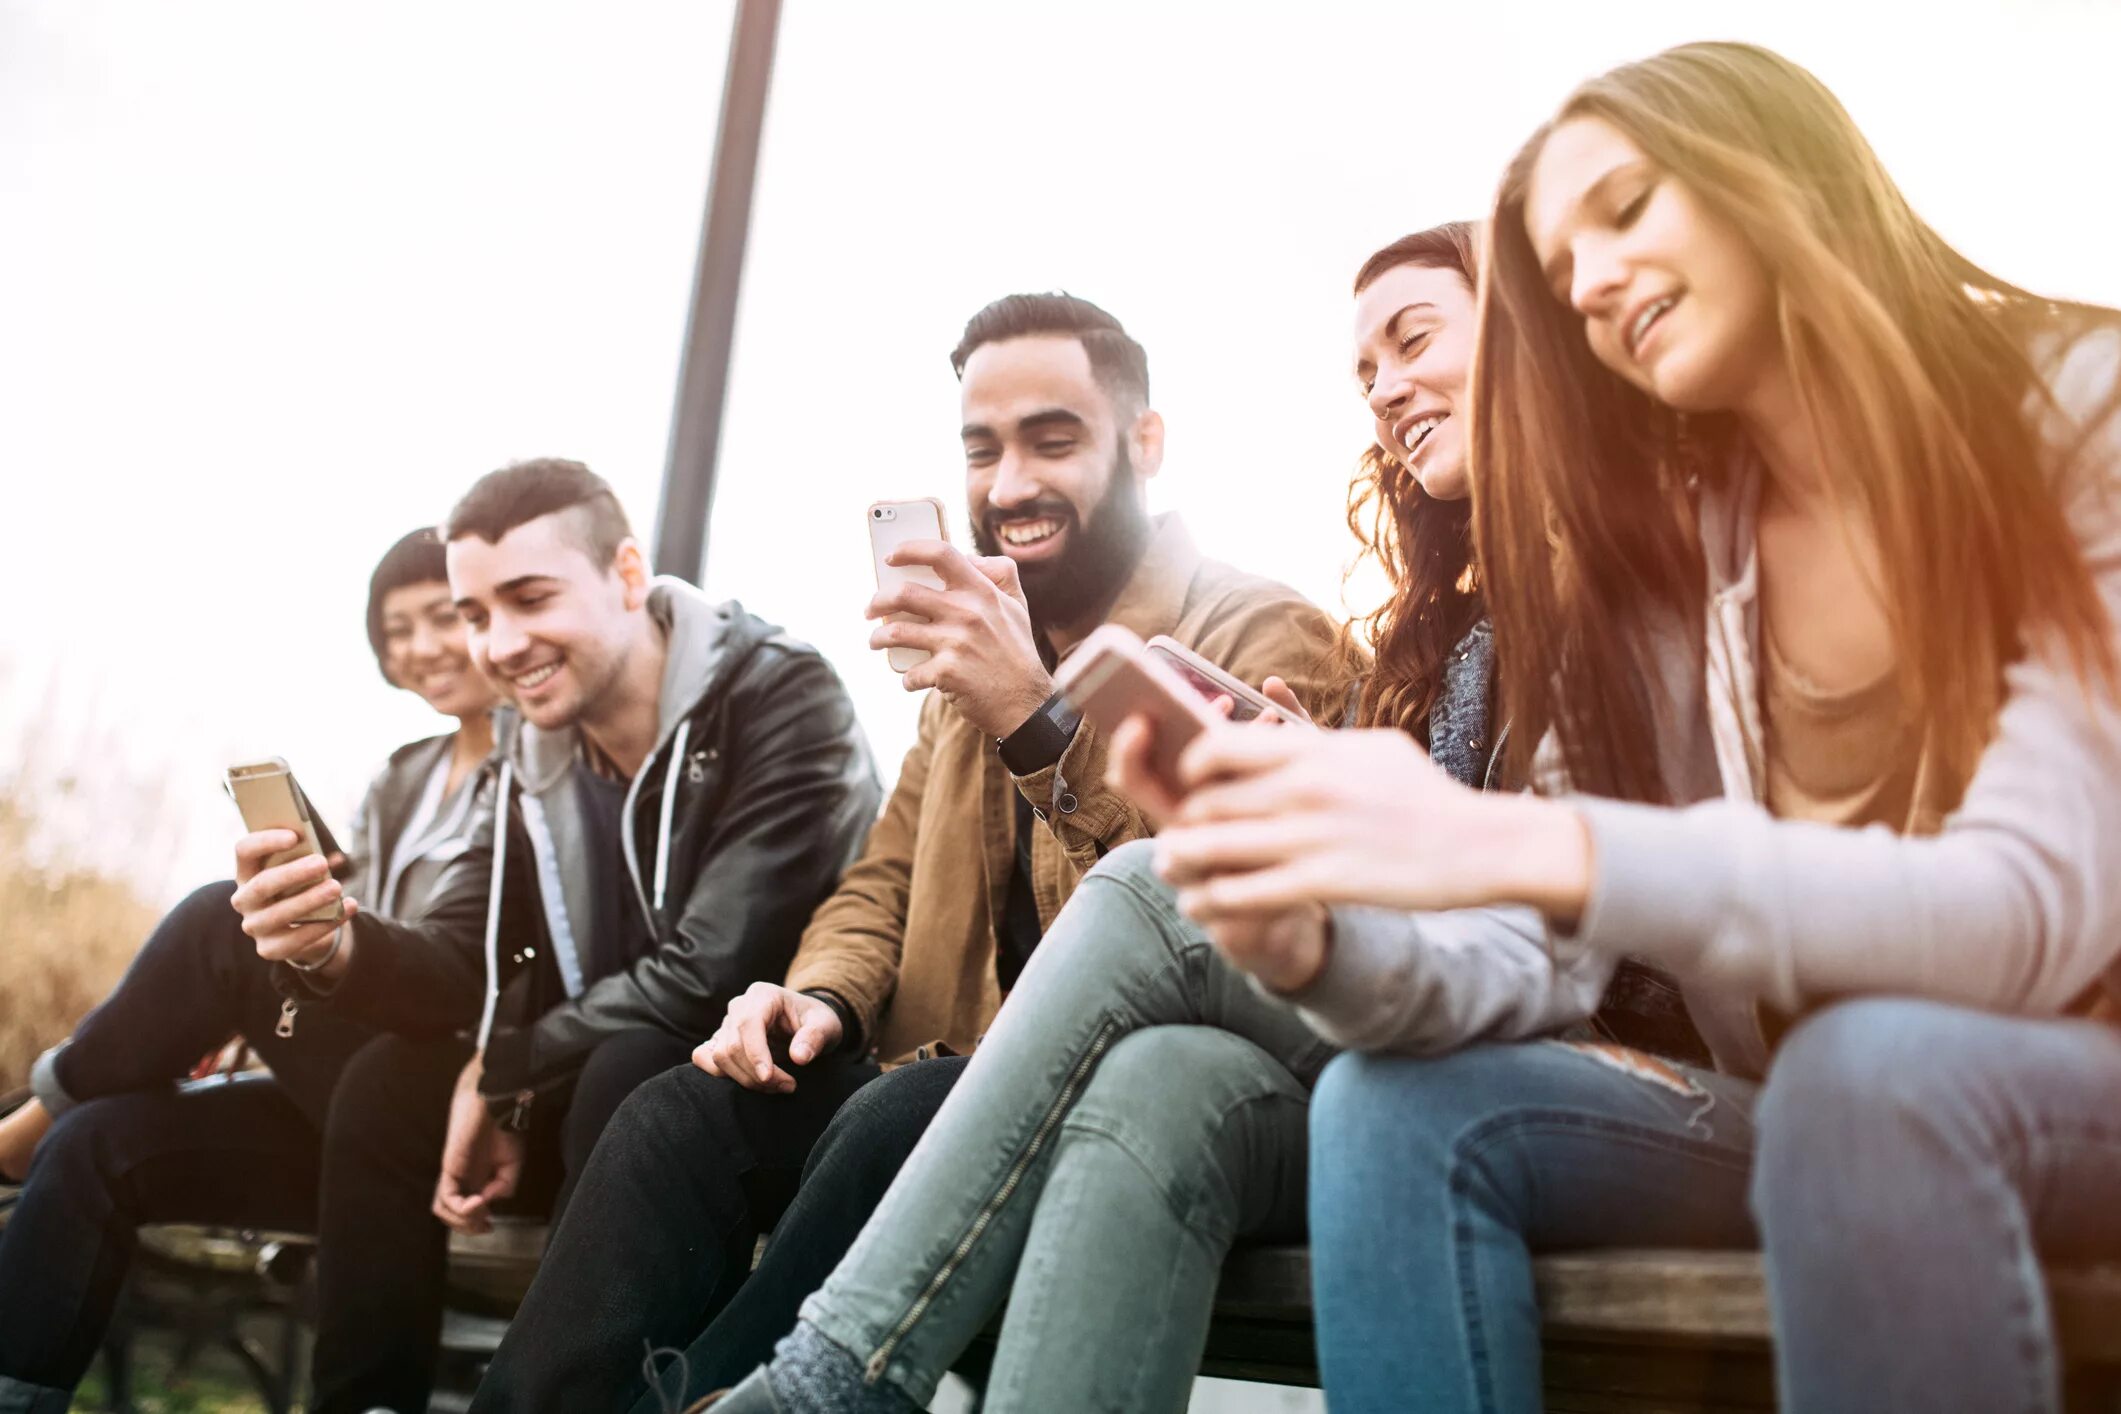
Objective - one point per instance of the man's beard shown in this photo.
(1102, 552)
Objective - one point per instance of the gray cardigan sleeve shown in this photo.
(2015, 905)
(1419, 983)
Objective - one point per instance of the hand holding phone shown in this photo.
(291, 906)
(1113, 680)
(268, 799)
(1215, 685)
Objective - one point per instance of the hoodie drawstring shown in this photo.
(670, 796)
(493, 904)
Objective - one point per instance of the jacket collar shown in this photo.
(702, 641)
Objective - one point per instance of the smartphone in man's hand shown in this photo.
(268, 798)
(892, 524)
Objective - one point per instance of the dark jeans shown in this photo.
(849, 1170)
(344, 1138)
(137, 1147)
(382, 1254)
(659, 1245)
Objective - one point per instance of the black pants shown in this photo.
(381, 1254)
(659, 1242)
(345, 1138)
(139, 1148)
(859, 1156)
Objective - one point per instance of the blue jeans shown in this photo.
(1136, 1107)
(1911, 1162)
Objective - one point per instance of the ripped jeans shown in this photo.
(1904, 1169)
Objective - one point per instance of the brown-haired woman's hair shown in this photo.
(1424, 546)
(1909, 361)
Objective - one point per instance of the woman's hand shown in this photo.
(1271, 820)
(1287, 951)
(1128, 768)
(1278, 692)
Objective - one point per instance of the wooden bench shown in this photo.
(1627, 1332)
(1633, 1332)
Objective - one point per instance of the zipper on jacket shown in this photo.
(881, 1360)
(286, 1026)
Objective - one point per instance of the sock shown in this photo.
(811, 1373)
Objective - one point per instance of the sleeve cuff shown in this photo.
(1656, 882)
(44, 1083)
(507, 1066)
(850, 1024)
(1367, 944)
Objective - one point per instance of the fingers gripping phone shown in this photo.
(1113, 676)
(1212, 683)
(266, 794)
(892, 524)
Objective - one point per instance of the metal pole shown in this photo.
(703, 376)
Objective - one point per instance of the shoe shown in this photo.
(750, 1395)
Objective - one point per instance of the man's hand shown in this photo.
(272, 900)
(983, 654)
(481, 1162)
(743, 1048)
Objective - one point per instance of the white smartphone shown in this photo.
(1112, 676)
(892, 524)
(266, 795)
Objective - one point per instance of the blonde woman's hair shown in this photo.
(1909, 360)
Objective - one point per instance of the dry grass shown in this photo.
(66, 933)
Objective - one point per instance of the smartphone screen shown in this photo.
(1241, 709)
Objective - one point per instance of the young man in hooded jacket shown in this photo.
(685, 785)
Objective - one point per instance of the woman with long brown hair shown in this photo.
(1806, 557)
(1138, 1106)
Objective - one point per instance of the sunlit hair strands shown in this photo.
(1908, 360)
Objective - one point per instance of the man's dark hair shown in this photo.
(1118, 363)
(519, 493)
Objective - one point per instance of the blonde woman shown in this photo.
(1804, 553)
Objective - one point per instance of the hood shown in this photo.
(702, 641)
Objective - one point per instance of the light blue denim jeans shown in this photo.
(1136, 1106)
(1912, 1161)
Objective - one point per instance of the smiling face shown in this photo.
(548, 626)
(1673, 296)
(1414, 327)
(424, 650)
(1051, 474)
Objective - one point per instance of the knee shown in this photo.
(206, 918)
(78, 1153)
(1132, 863)
(213, 901)
(1200, 1111)
(618, 1066)
(1854, 1066)
(1887, 1082)
(664, 1105)
(1358, 1099)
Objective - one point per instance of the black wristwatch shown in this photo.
(1043, 738)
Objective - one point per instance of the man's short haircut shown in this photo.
(519, 493)
(1118, 363)
(417, 558)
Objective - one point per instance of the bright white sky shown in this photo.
(277, 280)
